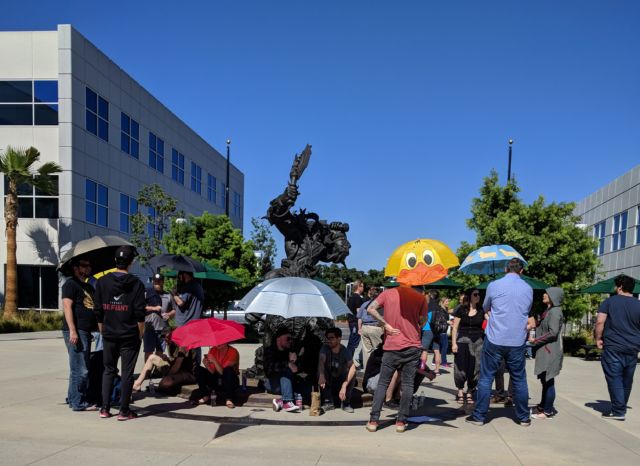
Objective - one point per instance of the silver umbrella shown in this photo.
(100, 251)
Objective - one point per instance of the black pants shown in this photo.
(500, 381)
(332, 388)
(467, 363)
(127, 351)
(224, 385)
(406, 362)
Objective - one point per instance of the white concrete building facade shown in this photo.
(612, 216)
(62, 95)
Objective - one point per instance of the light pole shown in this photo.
(508, 169)
(226, 186)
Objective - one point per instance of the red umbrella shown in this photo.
(207, 332)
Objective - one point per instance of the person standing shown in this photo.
(369, 328)
(548, 343)
(466, 338)
(120, 311)
(509, 299)
(188, 298)
(77, 325)
(353, 303)
(617, 333)
(155, 322)
(439, 323)
(405, 311)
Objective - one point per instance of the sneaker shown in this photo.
(474, 421)
(372, 426)
(104, 413)
(541, 416)
(290, 407)
(277, 405)
(615, 417)
(447, 366)
(127, 416)
(391, 404)
(508, 403)
(346, 407)
(327, 406)
(524, 423)
(401, 427)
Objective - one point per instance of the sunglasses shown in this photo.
(475, 294)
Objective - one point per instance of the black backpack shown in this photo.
(439, 321)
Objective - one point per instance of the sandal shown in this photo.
(204, 400)
(460, 398)
(470, 399)
(229, 404)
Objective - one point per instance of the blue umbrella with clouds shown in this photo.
(490, 260)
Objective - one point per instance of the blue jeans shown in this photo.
(618, 370)
(548, 394)
(492, 356)
(354, 338)
(78, 369)
(282, 384)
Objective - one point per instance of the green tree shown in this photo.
(264, 245)
(213, 239)
(18, 166)
(557, 250)
(337, 277)
(156, 211)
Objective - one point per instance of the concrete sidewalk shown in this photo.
(38, 428)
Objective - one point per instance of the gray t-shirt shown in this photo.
(336, 364)
(193, 296)
(154, 319)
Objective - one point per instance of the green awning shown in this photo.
(607, 286)
(442, 284)
(212, 273)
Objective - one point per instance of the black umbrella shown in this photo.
(176, 262)
(100, 251)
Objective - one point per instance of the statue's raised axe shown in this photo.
(300, 162)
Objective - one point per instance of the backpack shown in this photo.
(439, 321)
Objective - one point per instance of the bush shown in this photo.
(31, 321)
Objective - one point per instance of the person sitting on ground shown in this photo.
(176, 370)
(335, 378)
(280, 368)
(219, 374)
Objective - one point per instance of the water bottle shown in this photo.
(298, 398)
(532, 333)
(214, 399)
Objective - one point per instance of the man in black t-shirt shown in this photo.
(335, 377)
(79, 321)
(353, 303)
(617, 333)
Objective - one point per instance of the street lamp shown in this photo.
(509, 168)
(226, 186)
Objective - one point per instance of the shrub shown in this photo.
(31, 321)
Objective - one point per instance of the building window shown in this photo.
(128, 207)
(211, 188)
(33, 203)
(156, 152)
(97, 203)
(177, 166)
(619, 239)
(129, 136)
(638, 226)
(599, 234)
(38, 287)
(236, 204)
(26, 102)
(196, 178)
(97, 115)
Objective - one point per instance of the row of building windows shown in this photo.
(97, 122)
(33, 203)
(619, 228)
(28, 103)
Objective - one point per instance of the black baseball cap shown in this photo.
(126, 254)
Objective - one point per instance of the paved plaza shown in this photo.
(38, 428)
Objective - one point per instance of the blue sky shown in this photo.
(408, 104)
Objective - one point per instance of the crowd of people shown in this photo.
(393, 330)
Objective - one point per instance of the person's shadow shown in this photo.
(600, 406)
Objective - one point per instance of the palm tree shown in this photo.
(17, 165)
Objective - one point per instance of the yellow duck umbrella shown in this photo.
(420, 262)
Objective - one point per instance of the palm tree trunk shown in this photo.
(11, 277)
